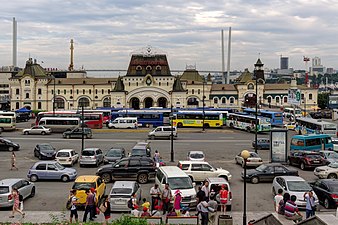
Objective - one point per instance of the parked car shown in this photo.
(140, 169)
(199, 171)
(330, 156)
(50, 170)
(290, 126)
(141, 149)
(306, 159)
(254, 160)
(163, 132)
(327, 172)
(215, 185)
(262, 143)
(77, 133)
(293, 185)
(196, 156)
(83, 183)
(25, 188)
(44, 151)
(114, 154)
(7, 145)
(120, 194)
(67, 157)
(327, 192)
(334, 141)
(267, 172)
(37, 130)
(91, 156)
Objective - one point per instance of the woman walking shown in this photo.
(107, 211)
(177, 202)
(223, 194)
(16, 205)
(13, 161)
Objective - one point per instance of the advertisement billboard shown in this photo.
(278, 146)
(294, 96)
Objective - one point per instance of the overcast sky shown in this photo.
(107, 32)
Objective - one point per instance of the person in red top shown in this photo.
(145, 212)
(223, 195)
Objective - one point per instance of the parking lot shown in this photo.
(220, 147)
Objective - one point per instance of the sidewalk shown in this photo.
(57, 217)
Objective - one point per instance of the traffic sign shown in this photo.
(294, 96)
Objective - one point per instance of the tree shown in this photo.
(323, 100)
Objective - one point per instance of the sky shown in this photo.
(107, 32)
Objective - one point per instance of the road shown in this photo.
(220, 147)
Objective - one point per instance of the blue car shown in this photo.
(262, 143)
(50, 170)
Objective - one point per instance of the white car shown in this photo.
(335, 144)
(37, 130)
(196, 156)
(327, 172)
(290, 126)
(293, 185)
(199, 171)
(254, 160)
(67, 157)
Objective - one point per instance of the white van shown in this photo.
(162, 132)
(123, 122)
(177, 180)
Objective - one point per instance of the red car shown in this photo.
(307, 159)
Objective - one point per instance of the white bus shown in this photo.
(7, 123)
(7, 113)
(60, 124)
(247, 122)
(308, 125)
(290, 113)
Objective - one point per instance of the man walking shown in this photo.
(202, 209)
(155, 196)
(213, 205)
(166, 197)
(205, 188)
(89, 207)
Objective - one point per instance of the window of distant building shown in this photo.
(17, 105)
(269, 99)
(310, 96)
(224, 100)
(192, 91)
(59, 91)
(84, 91)
(39, 105)
(232, 100)
(285, 99)
(90, 91)
(71, 91)
(39, 91)
(27, 82)
(52, 92)
(198, 91)
(64, 91)
(107, 102)
(59, 103)
(277, 99)
(215, 100)
(102, 91)
(77, 91)
(17, 91)
(27, 95)
(83, 102)
(302, 96)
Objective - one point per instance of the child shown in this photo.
(145, 212)
(146, 204)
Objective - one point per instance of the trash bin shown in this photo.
(225, 220)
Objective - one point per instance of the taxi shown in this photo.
(290, 126)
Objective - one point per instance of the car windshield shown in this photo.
(180, 183)
(59, 166)
(46, 147)
(6, 140)
(197, 156)
(254, 155)
(114, 153)
(299, 186)
(4, 190)
(62, 154)
(332, 155)
(83, 185)
(138, 152)
(88, 153)
(333, 165)
(313, 156)
(261, 168)
(333, 187)
(121, 191)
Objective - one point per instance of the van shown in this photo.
(215, 185)
(141, 149)
(124, 123)
(163, 132)
(311, 142)
(177, 180)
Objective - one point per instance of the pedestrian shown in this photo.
(277, 199)
(310, 204)
(166, 197)
(146, 203)
(145, 212)
(107, 210)
(177, 202)
(134, 200)
(200, 194)
(155, 194)
(203, 210)
(89, 206)
(223, 195)
(73, 209)
(157, 157)
(135, 212)
(286, 197)
(16, 204)
(156, 211)
(93, 191)
(13, 162)
(213, 205)
(291, 211)
(205, 188)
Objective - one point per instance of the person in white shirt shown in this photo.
(205, 188)
(277, 199)
(135, 212)
(73, 209)
(155, 194)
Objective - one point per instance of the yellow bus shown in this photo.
(195, 119)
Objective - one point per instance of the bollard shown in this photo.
(225, 220)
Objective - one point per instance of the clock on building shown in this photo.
(148, 81)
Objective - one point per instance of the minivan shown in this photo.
(163, 132)
(91, 156)
(311, 142)
(141, 149)
(124, 122)
(177, 180)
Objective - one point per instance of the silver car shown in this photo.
(120, 194)
(25, 188)
(37, 130)
(91, 156)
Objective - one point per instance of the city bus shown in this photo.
(60, 124)
(195, 119)
(7, 123)
(224, 113)
(246, 122)
(92, 120)
(308, 125)
(7, 113)
(311, 142)
(276, 118)
(106, 113)
(145, 118)
(290, 113)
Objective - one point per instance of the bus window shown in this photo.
(312, 142)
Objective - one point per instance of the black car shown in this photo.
(140, 169)
(262, 143)
(267, 172)
(114, 154)
(44, 151)
(327, 192)
(7, 145)
(77, 133)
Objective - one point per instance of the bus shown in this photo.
(246, 122)
(60, 124)
(92, 120)
(290, 113)
(308, 125)
(276, 118)
(106, 113)
(195, 119)
(7, 123)
(145, 118)
(224, 113)
(7, 113)
(311, 142)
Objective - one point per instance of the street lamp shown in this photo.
(171, 117)
(54, 96)
(82, 124)
(203, 129)
(245, 154)
(258, 74)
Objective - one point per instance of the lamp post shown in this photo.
(172, 128)
(82, 125)
(203, 129)
(258, 74)
(245, 155)
(54, 96)
(256, 112)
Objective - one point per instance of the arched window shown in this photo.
(192, 91)
(192, 101)
(59, 103)
(84, 102)
(39, 91)
(277, 99)
(269, 99)
(310, 96)
(224, 100)
(84, 91)
(39, 105)
(215, 100)
(285, 99)
(27, 95)
(17, 105)
(232, 100)
(107, 102)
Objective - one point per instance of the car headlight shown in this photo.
(193, 196)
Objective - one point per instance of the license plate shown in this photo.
(119, 202)
(316, 161)
(62, 160)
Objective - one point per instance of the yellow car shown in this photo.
(290, 126)
(83, 183)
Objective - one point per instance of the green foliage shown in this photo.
(323, 100)
(127, 220)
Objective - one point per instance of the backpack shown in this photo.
(20, 198)
(69, 203)
(130, 203)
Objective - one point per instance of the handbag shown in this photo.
(102, 208)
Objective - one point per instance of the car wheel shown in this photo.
(65, 178)
(10, 149)
(326, 203)
(32, 193)
(26, 133)
(152, 137)
(332, 176)
(34, 178)
(106, 177)
(273, 191)
(142, 178)
(43, 133)
(109, 127)
(85, 136)
(67, 136)
(302, 166)
(254, 180)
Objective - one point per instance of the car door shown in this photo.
(41, 171)
(268, 174)
(3, 145)
(52, 172)
(280, 171)
(25, 188)
(138, 191)
(74, 133)
(208, 171)
(120, 169)
(99, 154)
(133, 168)
(278, 184)
(197, 172)
(100, 187)
(239, 159)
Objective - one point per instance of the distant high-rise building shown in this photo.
(317, 67)
(284, 63)
(316, 61)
